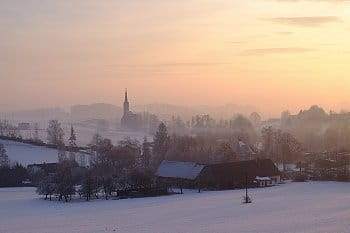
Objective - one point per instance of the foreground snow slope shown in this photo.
(322, 207)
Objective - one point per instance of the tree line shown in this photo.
(113, 169)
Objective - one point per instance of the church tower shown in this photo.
(126, 104)
(129, 120)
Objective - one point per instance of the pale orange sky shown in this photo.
(272, 54)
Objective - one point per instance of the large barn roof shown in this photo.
(181, 170)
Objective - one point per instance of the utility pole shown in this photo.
(246, 188)
(246, 198)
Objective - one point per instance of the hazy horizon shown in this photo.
(274, 55)
(253, 108)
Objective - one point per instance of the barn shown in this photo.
(237, 174)
(231, 175)
(179, 174)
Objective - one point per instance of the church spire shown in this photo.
(126, 95)
(126, 103)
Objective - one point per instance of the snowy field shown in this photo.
(322, 207)
(26, 154)
(29, 154)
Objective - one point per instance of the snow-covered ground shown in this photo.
(29, 154)
(313, 207)
(26, 154)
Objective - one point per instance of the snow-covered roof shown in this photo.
(262, 178)
(288, 166)
(241, 143)
(242, 149)
(183, 170)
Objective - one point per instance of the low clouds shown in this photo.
(173, 64)
(271, 51)
(305, 21)
(238, 42)
(198, 64)
(284, 33)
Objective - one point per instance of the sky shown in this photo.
(272, 54)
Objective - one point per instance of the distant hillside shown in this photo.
(165, 110)
(226, 111)
(113, 112)
(35, 115)
(96, 111)
(168, 110)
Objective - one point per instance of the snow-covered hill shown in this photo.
(28, 154)
(311, 207)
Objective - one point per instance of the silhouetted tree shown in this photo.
(100, 146)
(36, 136)
(73, 138)
(243, 129)
(268, 135)
(280, 146)
(12, 176)
(161, 143)
(177, 126)
(125, 154)
(72, 141)
(4, 159)
(64, 183)
(146, 153)
(107, 185)
(88, 186)
(61, 154)
(46, 186)
(140, 178)
(225, 153)
(255, 118)
(55, 133)
(337, 136)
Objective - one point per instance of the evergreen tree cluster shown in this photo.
(13, 176)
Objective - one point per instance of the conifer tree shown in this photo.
(161, 143)
(73, 138)
(146, 153)
(4, 159)
(72, 141)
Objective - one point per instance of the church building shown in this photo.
(129, 120)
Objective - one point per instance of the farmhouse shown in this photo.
(263, 181)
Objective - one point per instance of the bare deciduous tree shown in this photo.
(55, 133)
